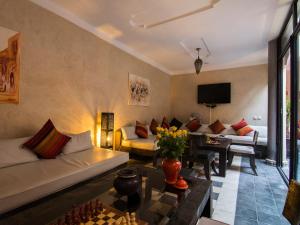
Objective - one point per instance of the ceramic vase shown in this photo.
(171, 168)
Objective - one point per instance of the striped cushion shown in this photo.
(48, 142)
(141, 130)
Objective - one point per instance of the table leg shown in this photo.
(222, 163)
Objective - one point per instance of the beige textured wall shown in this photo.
(249, 95)
(68, 74)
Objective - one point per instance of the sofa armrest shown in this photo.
(118, 139)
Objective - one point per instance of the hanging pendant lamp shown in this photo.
(198, 62)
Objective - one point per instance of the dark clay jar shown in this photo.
(127, 182)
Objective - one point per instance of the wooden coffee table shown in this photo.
(222, 148)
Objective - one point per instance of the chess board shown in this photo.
(109, 216)
(102, 215)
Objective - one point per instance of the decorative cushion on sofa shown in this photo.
(141, 130)
(11, 152)
(165, 123)
(128, 133)
(193, 125)
(153, 126)
(217, 127)
(78, 142)
(245, 130)
(48, 142)
(175, 123)
(239, 125)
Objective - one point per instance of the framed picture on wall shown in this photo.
(139, 90)
(9, 66)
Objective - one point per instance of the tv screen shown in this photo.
(214, 93)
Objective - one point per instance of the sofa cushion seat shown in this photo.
(24, 183)
(149, 143)
(242, 149)
(240, 139)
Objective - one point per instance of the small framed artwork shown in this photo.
(139, 90)
(9, 66)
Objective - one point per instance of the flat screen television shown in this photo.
(214, 93)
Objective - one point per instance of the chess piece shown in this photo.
(133, 219)
(68, 219)
(81, 214)
(59, 222)
(86, 213)
(123, 221)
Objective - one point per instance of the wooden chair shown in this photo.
(244, 150)
(194, 155)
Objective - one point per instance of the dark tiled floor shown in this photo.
(260, 198)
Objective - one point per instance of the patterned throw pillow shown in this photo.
(153, 126)
(48, 142)
(217, 127)
(141, 130)
(245, 130)
(193, 125)
(165, 123)
(176, 123)
(239, 125)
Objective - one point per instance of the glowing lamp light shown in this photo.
(107, 129)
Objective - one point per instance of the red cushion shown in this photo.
(165, 123)
(239, 125)
(141, 130)
(153, 126)
(193, 125)
(48, 142)
(245, 130)
(217, 127)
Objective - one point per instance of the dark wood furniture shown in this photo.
(246, 151)
(200, 142)
(191, 156)
(157, 202)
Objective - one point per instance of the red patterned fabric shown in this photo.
(165, 123)
(141, 130)
(48, 142)
(239, 125)
(217, 127)
(245, 130)
(193, 125)
(153, 126)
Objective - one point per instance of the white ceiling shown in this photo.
(236, 32)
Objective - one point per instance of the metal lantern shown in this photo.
(198, 62)
(107, 129)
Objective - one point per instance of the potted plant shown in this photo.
(172, 144)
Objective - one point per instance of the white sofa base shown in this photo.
(24, 183)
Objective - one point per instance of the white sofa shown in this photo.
(127, 140)
(230, 133)
(28, 178)
(148, 146)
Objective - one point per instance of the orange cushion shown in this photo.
(245, 130)
(239, 125)
(165, 123)
(141, 130)
(217, 127)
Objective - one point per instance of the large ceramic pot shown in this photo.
(127, 182)
(171, 168)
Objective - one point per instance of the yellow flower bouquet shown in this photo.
(172, 142)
